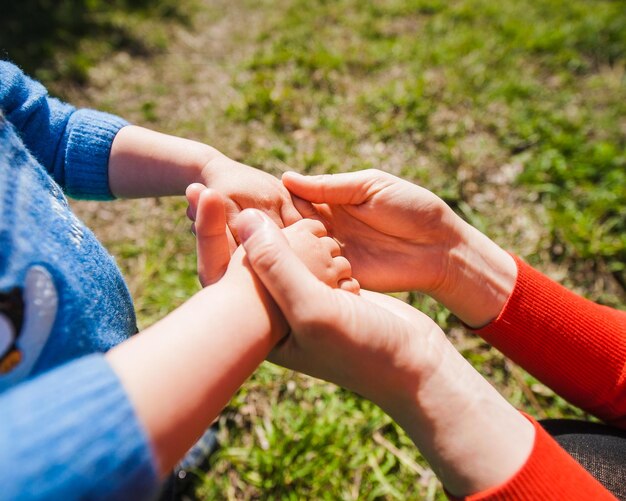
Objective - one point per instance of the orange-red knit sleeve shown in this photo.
(573, 345)
(550, 473)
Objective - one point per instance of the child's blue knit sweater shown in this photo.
(67, 428)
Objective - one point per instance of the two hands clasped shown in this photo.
(302, 299)
(299, 296)
(295, 271)
(394, 236)
(292, 296)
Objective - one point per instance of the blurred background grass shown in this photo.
(513, 112)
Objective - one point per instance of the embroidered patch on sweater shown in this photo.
(26, 319)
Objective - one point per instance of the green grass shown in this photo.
(65, 38)
(305, 426)
(543, 80)
(513, 112)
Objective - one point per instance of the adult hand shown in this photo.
(395, 234)
(399, 236)
(350, 339)
(396, 356)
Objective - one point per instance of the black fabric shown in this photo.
(599, 448)
(180, 484)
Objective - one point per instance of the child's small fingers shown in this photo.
(342, 268)
(191, 213)
(313, 226)
(317, 228)
(192, 193)
(294, 288)
(331, 245)
(350, 285)
(210, 215)
(212, 237)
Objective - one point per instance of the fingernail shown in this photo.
(350, 285)
(292, 173)
(250, 221)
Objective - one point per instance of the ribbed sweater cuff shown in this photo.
(88, 146)
(573, 345)
(549, 473)
(72, 434)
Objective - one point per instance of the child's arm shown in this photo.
(71, 433)
(181, 372)
(72, 145)
(105, 427)
(146, 163)
(98, 156)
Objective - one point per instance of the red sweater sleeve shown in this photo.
(549, 473)
(573, 345)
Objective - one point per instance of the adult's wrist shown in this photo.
(472, 438)
(480, 277)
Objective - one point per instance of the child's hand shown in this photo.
(321, 254)
(244, 187)
(308, 238)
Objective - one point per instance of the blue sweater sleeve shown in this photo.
(73, 145)
(71, 434)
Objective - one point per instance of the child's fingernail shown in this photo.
(249, 221)
(350, 285)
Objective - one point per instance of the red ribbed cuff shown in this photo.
(573, 345)
(550, 473)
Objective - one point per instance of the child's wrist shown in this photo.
(210, 166)
(253, 305)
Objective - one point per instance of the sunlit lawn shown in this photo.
(514, 112)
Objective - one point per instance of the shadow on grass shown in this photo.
(35, 32)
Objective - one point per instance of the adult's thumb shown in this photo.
(349, 188)
(283, 274)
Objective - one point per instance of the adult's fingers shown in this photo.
(211, 237)
(350, 188)
(286, 278)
